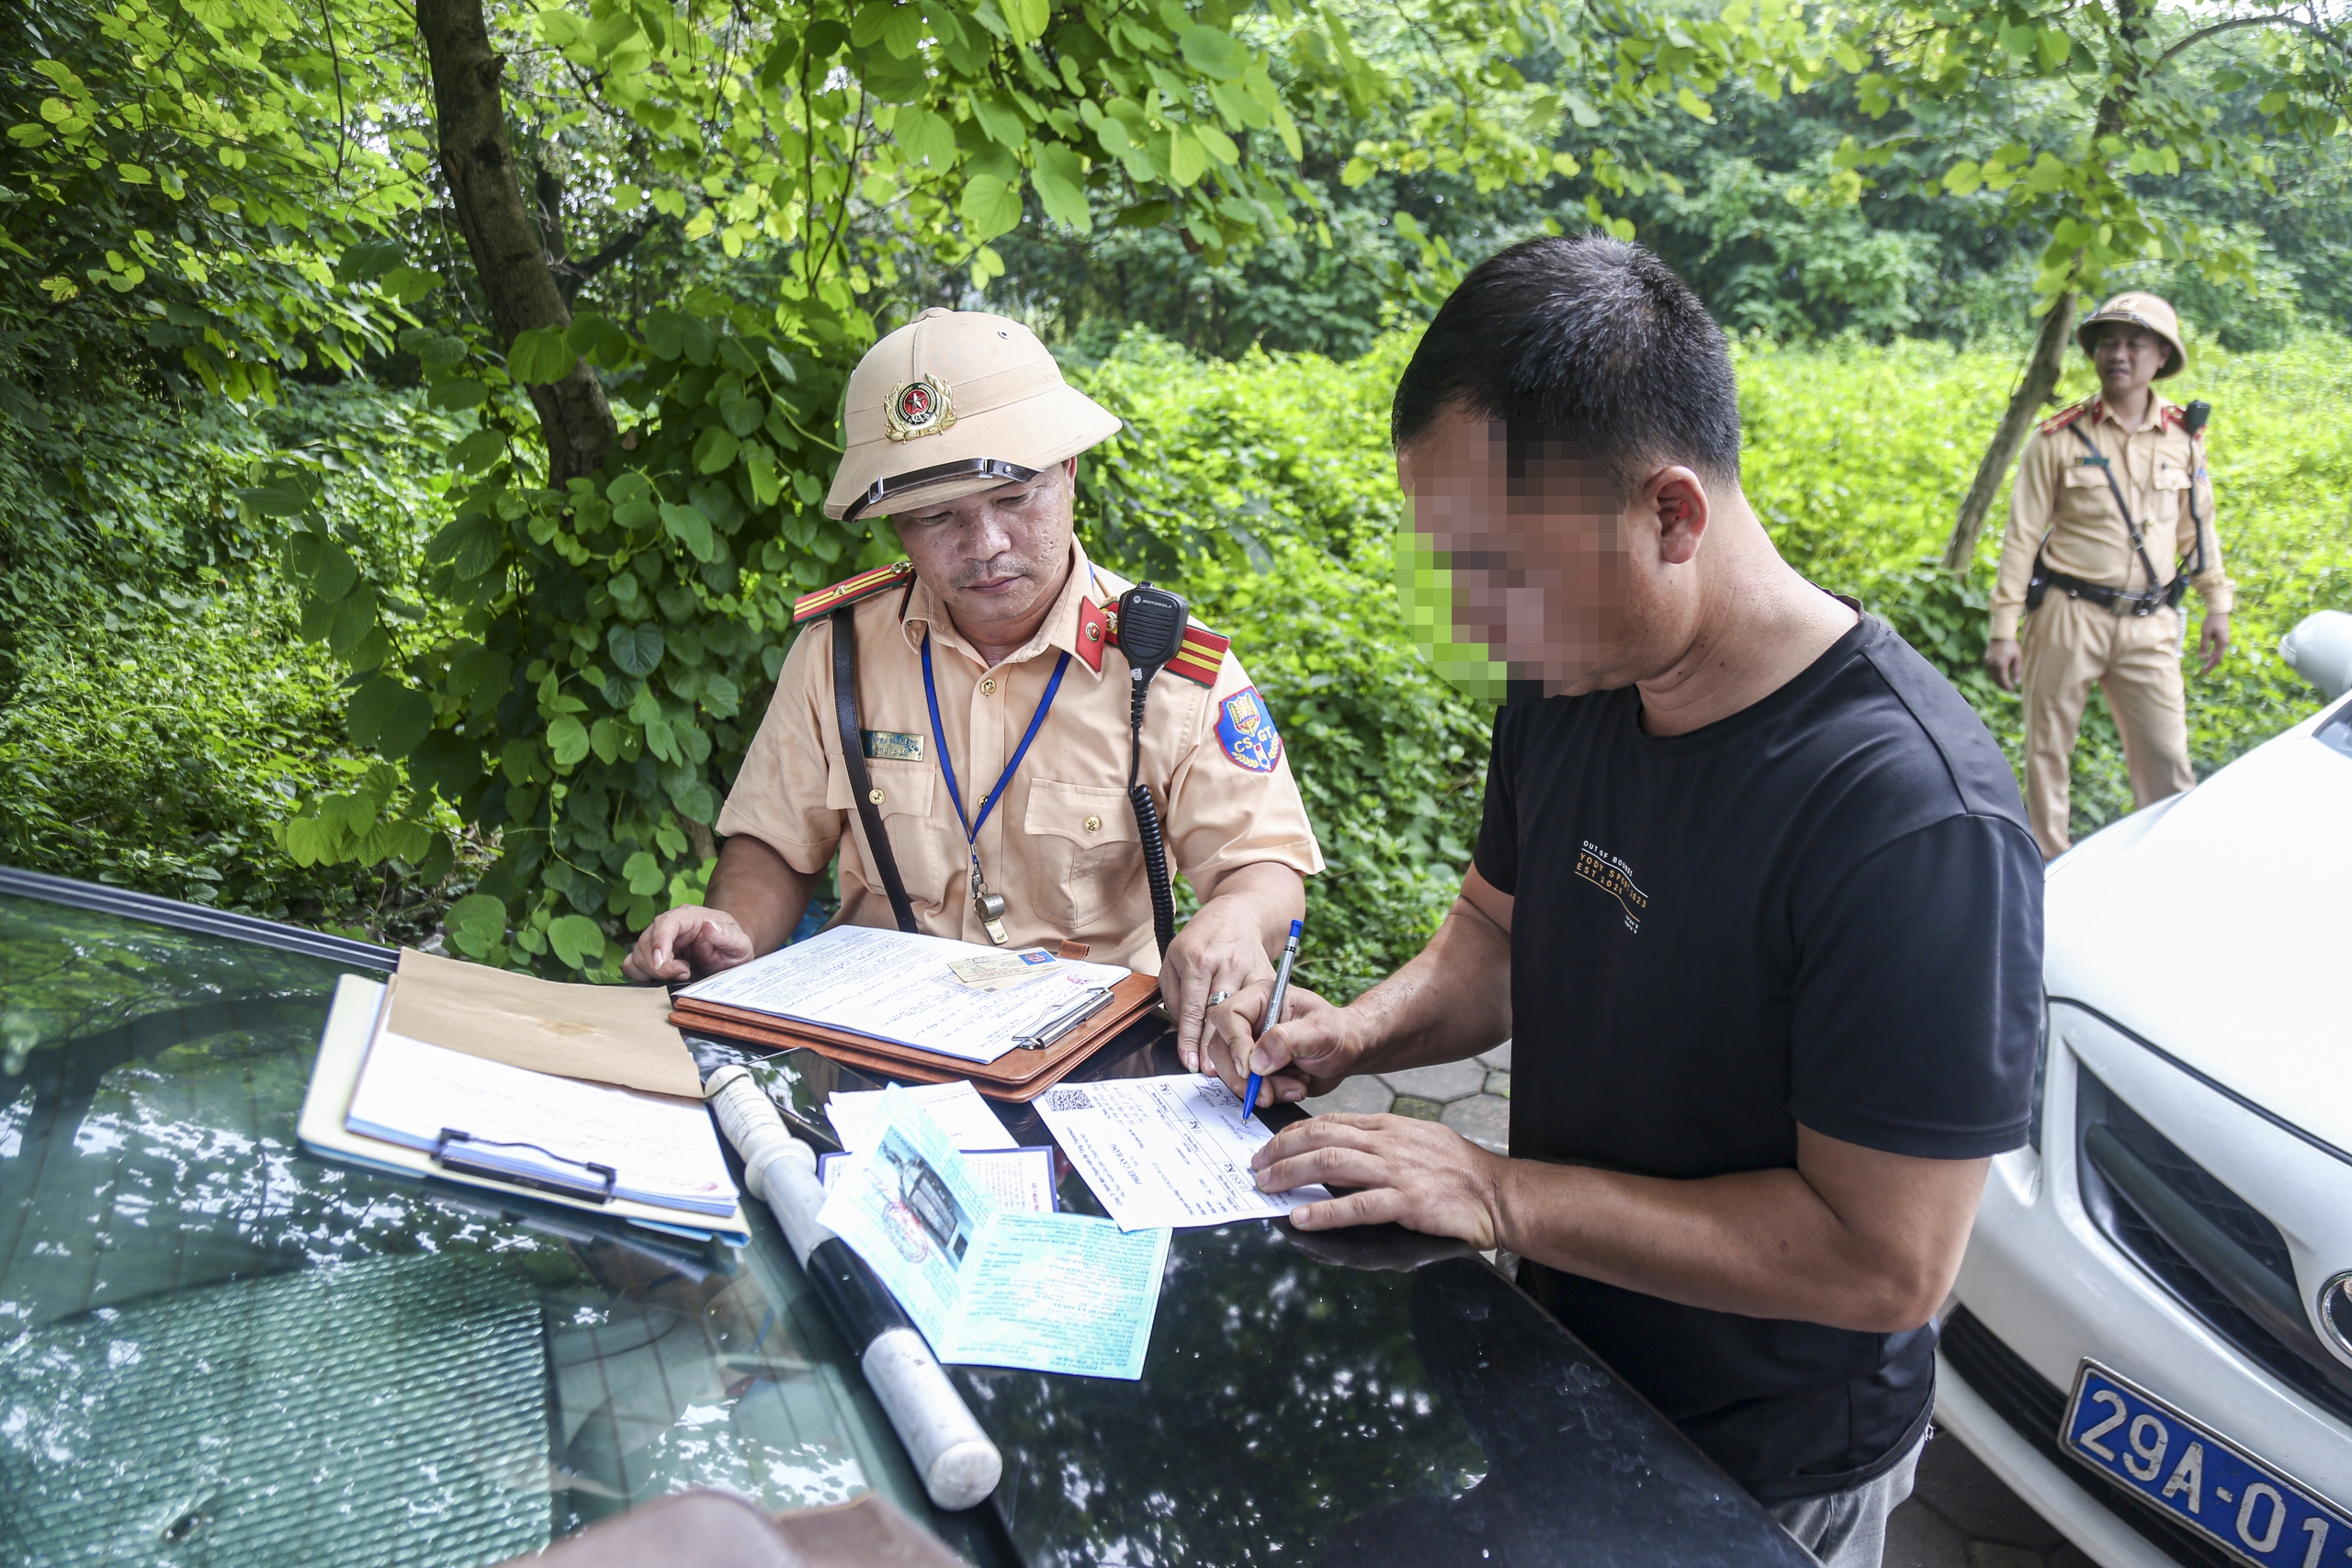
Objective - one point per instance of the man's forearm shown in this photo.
(1266, 894)
(1762, 1244)
(1453, 1000)
(761, 889)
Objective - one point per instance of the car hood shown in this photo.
(2217, 926)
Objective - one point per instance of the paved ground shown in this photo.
(1959, 1517)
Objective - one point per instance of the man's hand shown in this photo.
(1244, 915)
(1420, 1174)
(2213, 641)
(2005, 659)
(688, 941)
(1312, 1048)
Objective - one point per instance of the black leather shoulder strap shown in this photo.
(2106, 465)
(861, 782)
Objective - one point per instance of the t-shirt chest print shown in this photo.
(1613, 877)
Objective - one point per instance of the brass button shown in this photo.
(1094, 824)
(875, 796)
(987, 685)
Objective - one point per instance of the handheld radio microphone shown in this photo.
(1151, 632)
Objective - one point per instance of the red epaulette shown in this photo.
(1198, 658)
(1201, 657)
(850, 589)
(2065, 417)
(2172, 414)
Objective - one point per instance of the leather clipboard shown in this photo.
(1019, 1075)
(334, 1078)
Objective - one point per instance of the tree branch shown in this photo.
(2279, 20)
(510, 262)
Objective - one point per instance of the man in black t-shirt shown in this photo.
(1753, 896)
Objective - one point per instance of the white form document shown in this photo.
(1170, 1151)
(662, 1151)
(962, 1114)
(896, 987)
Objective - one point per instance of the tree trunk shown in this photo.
(2041, 374)
(510, 261)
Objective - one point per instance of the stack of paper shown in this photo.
(1013, 1177)
(581, 1093)
(986, 1285)
(905, 990)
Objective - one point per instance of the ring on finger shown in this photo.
(1218, 998)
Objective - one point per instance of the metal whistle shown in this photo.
(989, 907)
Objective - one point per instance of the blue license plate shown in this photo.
(2199, 1478)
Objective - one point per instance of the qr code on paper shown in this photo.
(1071, 1100)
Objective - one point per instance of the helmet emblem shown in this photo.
(919, 408)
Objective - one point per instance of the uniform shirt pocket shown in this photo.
(2085, 476)
(1087, 849)
(2171, 484)
(922, 852)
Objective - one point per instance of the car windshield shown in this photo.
(216, 1349)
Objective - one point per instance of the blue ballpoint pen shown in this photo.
(1274, 1011)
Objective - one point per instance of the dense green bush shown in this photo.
(159, 713)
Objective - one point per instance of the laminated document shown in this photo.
(1168, 1151)
(902, 989)
(967, 1119)
(1049, 1292)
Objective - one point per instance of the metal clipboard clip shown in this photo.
(1053, 1029)
(596, 1187)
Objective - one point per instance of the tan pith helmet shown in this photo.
(952, 404)
(2144, 311)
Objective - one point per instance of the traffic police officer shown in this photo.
(993, 708)
(2111, 517)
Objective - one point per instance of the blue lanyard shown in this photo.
(1037, 721)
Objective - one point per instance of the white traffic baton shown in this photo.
(958, 1465)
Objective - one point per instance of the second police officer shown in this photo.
(991, 704)
(2112, 518)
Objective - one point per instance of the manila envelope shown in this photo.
(616, 1035)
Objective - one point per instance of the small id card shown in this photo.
(1002, 971)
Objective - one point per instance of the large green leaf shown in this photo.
(637, 649)
(1060, 184)
(989, 207)
(577, 940)
(389, 718)
(540, 355)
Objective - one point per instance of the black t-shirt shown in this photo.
(1827, 909)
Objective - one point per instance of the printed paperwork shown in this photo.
(1020, 1181)
(962, 1114)
(616, 1034)
(1047, 1292)
(899, 988)
(1170, 1151)
(347, 1052)
(534, 1128)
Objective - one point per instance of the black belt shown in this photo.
(2120, 601)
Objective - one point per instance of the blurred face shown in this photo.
(998, 557)
(2126, 358)
(1538, 548)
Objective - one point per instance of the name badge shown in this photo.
(889, 746)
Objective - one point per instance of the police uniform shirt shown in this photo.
(2059, 491)
(1061, 845)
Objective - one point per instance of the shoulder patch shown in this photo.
(1245, 730)
(2065, 417)
(850, 589)
(1201, 657)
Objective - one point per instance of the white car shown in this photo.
(2151, 1340)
